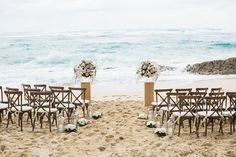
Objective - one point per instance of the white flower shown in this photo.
(70, 126)
(160, 132)
(82, 122)
(151, 124)
(142, 116)
(97, 115)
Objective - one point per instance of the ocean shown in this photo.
(41, 57)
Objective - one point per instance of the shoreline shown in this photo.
(225, 83)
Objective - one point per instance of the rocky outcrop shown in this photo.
(165, 68)
(227, 66)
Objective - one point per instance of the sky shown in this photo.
(74, 15)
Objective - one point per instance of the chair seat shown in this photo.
(66, 106)
(228, 113)
(46, 110)
(208, 114)
(43, 105)
(181, 114)
(3, 106)
(18, 108)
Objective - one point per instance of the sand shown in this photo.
(117, 133)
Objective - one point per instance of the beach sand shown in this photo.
(118, 133)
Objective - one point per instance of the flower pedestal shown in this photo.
(87, 86)
(148, 93)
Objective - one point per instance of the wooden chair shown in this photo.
(173, 103)
(78, 98)
(42, 87)
(213, 112)
(62, 101)
(14, 99)
(230, 112)
(161, 101)
(187, 108)
(42, 102)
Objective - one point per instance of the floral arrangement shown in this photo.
(86, 69)
(97, 115)
(82, 122)
(142, 116)
(161, 132)
(151, 124)
(148, 69)
(70, 128)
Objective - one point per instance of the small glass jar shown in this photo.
(170, 125)
(61, 123)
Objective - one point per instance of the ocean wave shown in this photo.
(224, 45)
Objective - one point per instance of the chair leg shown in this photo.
(180, 122)
(190, 125)
(49, 120)
(30, 116)
(230, 124)
(212, 125)
(206, 127)
(21, 121)
(221, 126)
(8, 119)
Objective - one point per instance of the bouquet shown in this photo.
(97, 115)
(161, 132)
(148, 69)
(142, 116)
(86, 69)
(82, 122)
(151, 124)
(70, 128)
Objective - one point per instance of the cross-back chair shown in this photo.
(214, 111)
(62, 101)
(186, 110)
(78, 98)
(42, 87)
(42, 102)
(15, 105)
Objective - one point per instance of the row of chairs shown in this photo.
(39, 101)
(197, 106)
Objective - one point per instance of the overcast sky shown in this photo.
(72, 15)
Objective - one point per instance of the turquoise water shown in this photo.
(50, 57)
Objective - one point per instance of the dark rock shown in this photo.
(165, 68)
(227, 66)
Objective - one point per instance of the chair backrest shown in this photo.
(42, 87)
(189, 104)
(161, 97)
(14, 99)
(173, 100)
(202, 99)
(25, 87)
(12, 89)
(56, 87)
(39, 99)
(216, 90)
(204, 90)
(232, 102)
(77, 95)
(215, 105)
(216, 94)
(27, 93)
(183, 90)
(61, 97)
